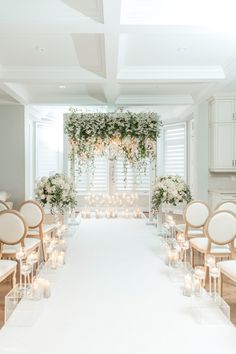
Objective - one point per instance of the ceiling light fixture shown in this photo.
(62, 86)
(39, 49)
(182, 49)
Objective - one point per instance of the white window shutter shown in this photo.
(48, 148)
(174, 142)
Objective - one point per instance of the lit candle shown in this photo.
(197, 286)
(46, 289)
(61, 259)
(188, 285)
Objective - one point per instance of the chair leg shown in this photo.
(192, 257)
(221, 280)
(43, 246)
(13, 279)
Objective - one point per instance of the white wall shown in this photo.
(201, 151)
(12, 152)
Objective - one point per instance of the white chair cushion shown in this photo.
(6, 268)
(46, 229)
(201, 244)
(30, 245)
(191, 232)
(228, 268)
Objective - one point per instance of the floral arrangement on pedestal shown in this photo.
(56, 191)
(170, 190)
(132, 136)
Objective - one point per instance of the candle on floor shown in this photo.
(197, 286)
(61, 259)
(188, 285)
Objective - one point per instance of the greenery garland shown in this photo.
(129, 135)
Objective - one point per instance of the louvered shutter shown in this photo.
(97, 183)
(175, 150)
(48, 149)
(133, 181)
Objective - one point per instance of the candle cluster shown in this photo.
(176, 247)
(111, 206)
(32, 285)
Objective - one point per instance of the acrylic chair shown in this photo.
(220, 230)
(13, 231)
(34, 216)
(195, 216)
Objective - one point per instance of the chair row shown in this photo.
(23, 228)
(212, 234)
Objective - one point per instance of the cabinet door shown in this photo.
(223, 111)
(223, 149)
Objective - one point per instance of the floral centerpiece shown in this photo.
(131, 136)
(170, 190)
(56, 191)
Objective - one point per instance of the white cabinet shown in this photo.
(219, 196)
(222, 136)
(223, 111)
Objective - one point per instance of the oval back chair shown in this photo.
(195, 216)
(13, 228)
(220, 230)
(221, 227)
(33, 213)
(227, 205)
(3, 206)
(34, 216)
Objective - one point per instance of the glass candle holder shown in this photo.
(214, 275)
(188, 285)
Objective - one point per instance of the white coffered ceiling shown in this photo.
(112, 52)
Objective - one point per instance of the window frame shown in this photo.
(163, 147)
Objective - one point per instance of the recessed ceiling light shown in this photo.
(39, 49)
(62, 86)
(182, 49)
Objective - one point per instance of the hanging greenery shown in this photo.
(129, 135)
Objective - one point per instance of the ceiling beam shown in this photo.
(112, 11)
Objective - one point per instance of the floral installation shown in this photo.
(170, 190)
(129, 135)
(57, 191)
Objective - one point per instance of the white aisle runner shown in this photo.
(114, 297)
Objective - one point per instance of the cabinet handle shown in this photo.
(233, 116)
(233, 163)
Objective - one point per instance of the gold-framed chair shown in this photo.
(13, 231)
(229, 205)
(3, 206)
(195, 216)
(34, 216)
(227, 270)
(220, 231)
